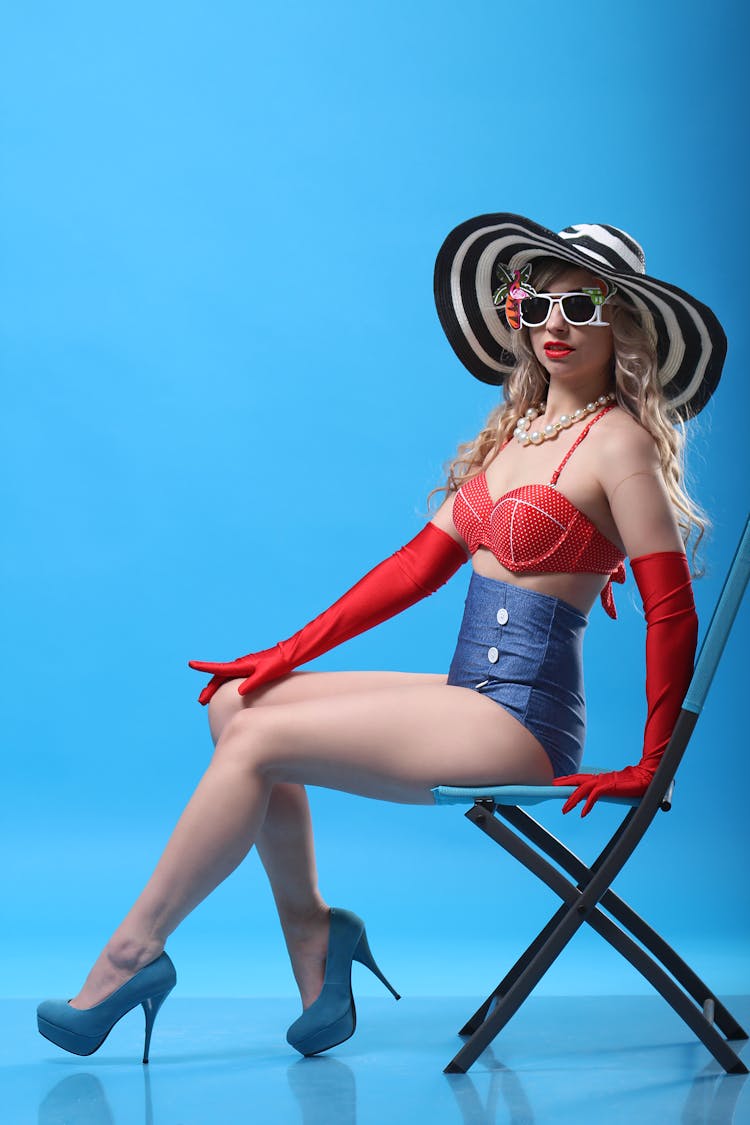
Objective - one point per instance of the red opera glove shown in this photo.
(416, 570)
(664, 583)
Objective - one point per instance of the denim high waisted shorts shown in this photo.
(524, 650)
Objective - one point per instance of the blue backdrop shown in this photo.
(227, 395)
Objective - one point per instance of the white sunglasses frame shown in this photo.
(557, 298)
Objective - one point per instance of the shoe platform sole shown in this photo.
(69, 1040)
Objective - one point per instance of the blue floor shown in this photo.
(595, 1059)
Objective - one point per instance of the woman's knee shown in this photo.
(223, 706)
(248, 739)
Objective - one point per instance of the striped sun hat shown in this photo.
(691, 343)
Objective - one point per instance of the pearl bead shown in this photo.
(549, 430)
(535, 437)
(565, 420)
(532, 412)
(603, 399)
(591, 407)
(578, 413)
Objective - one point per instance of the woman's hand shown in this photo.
(632, 781)
(255, 669)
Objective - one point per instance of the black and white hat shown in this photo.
(691, 343)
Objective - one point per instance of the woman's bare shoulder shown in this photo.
(625, 446)
(630, 473)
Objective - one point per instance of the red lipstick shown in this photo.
(556, 349)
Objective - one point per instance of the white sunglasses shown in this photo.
(583, 306)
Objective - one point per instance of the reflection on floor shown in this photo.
(595, 1059)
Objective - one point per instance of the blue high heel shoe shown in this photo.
(332, 1018)
(83, 1030)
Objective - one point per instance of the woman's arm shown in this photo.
(646, 523)
(632, 480)
(416, 570)
(443, 519)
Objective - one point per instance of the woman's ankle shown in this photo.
(306, 934)
(301, 924)
(120, 960)
(127, 953)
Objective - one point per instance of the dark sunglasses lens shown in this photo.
(578, 309)
(535, 310)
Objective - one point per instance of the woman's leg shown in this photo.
(285, 841)
(392, 744)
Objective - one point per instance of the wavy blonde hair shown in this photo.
(636, 386)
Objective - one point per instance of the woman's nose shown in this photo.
(557, 321)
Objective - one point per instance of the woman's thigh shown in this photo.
(394, 743)
(303, 686)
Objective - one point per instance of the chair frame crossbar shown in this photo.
(586, 892)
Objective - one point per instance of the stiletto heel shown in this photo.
(363, 954)
(332, 1018)
(150, 1008)
(83, 1030)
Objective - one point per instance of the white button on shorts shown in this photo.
(493, 655)
(502, 616)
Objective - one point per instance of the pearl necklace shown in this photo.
(524, 435)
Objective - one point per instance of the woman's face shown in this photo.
(572, 352)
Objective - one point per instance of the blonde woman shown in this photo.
(577, 469)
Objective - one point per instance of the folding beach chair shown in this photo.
(585, 890)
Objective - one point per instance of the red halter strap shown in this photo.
(578, 441)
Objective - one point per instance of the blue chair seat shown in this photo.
(523, 795)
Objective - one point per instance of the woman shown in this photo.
(577, 469)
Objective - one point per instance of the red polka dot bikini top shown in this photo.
(536, 528)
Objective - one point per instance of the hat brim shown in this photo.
(691, 343)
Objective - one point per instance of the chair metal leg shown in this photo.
(511, 976)
(528, 971)
(509, 1004)
(682, 1004)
